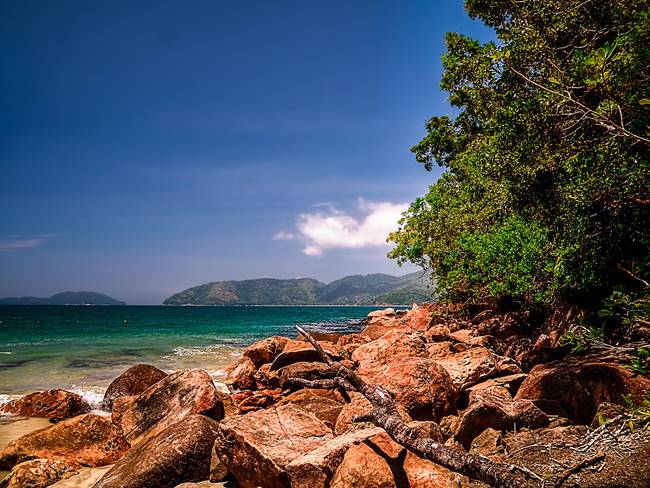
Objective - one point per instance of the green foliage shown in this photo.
(582, 339)
(630, 309)
(545, 190)
(638, 412)
(641, 362)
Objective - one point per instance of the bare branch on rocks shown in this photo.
(384, 414)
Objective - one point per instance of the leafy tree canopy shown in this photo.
(545, 194)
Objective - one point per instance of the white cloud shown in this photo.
(22, 242)
(334, 229)
(283, 236)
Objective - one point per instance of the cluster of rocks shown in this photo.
(488, 386)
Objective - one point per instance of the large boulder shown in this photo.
(381, 463)
(240, 375)
(59, 404)
(37, 473)
(295, 351)
(316, 468)
(494, 408)
(133, 381)
(176, 396)
(579, 385)
(420, 385)
(393, 344)
(85, 440)
(257, 447)
(324, 404)
(476, 364)
(180, 453)
(265, 351)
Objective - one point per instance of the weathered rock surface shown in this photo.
(265, 351)
(85, 440)
(241, 375)
(133, 381)
(37, 473)
(257, 447)
(304, 370)
(476, 364)
(324, 404)
(381, 463)
(300, 351)
(579, 385)
(255, 400)
(266, 379)
(494, 408)
(180, 453)
(316, 468)
(394, 344)
(420, 385)
(59, 404)
(178, 395)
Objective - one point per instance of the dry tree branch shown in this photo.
(384, 414)
(608, 124)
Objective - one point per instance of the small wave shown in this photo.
(6, 352)
(93, 395)
(209, 350)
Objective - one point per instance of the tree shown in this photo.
(546, 190)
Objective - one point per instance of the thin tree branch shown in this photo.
(384, 414)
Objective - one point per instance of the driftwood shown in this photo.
(384, 414)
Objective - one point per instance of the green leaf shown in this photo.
(645, 101)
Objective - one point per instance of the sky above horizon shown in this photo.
(146, 147)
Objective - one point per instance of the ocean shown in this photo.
(83, 348)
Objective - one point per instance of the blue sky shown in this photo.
(146, 147)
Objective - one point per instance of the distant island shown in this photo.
(65, 298)
(372, 289)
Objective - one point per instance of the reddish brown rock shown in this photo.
(359, 406)
(579, 385)
(266, 379)
(241, 375)
(494, 408)
(437, 333)
(324, 404)
(37, 473)
(133, 381)
(352, 339)
(59, 404)
(476, 364)
(182, 452)
(316, 468)
(85, 440)
(439, 350)
(178, 395)
(301, 351)
(394, 344)
(264, 351)
(418, 318)
(259, 399)
(332, 337)
(420, 385)
(304, 370)
(257, 447)
(381, 463)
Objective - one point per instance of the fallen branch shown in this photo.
(384, 414)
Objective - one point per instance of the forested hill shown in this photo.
(373, 289)
(65, 298)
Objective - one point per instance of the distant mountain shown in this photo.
(373, 289)
(65, 298)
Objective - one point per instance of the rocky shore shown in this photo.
(491, 385)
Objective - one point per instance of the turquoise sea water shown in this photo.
(83, 348)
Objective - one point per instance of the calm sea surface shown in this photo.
(83, 348)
